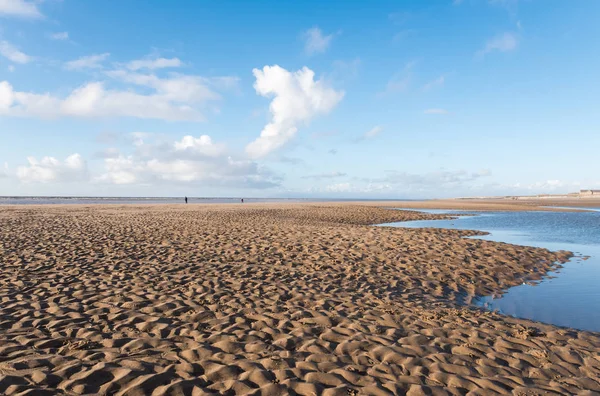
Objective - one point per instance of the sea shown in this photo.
(22, 200)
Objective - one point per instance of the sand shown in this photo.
(268, 300)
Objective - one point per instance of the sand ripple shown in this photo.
(268, 300)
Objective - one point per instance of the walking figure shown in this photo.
(242, 200)
(185, 199)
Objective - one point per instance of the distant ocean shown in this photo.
(154, 200)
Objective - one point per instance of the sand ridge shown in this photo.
(268, 299)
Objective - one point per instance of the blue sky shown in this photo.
(411, 99)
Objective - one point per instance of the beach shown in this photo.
(271, 299)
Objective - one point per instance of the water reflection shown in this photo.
(569, 296)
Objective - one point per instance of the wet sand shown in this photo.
(268, 299)
(531, 204)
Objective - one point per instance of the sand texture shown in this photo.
(268, 300)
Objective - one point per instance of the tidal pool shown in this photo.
(567, 297)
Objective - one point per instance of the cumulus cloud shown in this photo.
(109, 152)
(92, 100)
(19, 8)
(327, 175)
(501, 43)
(12, 53)
(316, 42)
(188, 160)
(175, 98)
(297, 98)
(87, 62)
(202, 145)
(50, 169)
(436, 111)
(61, 36)
(152, 64)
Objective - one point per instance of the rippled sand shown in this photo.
(268, 299)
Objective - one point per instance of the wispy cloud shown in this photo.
(316, 42)
(20, 8)
(327, 175)
(87, 62)
(504, 42)
(152, 64)
(436, 111)
(399, 81)
(61, 36)
(370, 134)
(438, 82)
(404, 34)
(13, 54)
(399, 18)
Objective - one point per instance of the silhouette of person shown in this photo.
(185, 199)
(242, 200)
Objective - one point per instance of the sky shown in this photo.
(381, 99)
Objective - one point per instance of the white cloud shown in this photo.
(152, 64)
(60, 36)
(436, 111)
(6, 96)
(187, 160)
(176, 99)
(502, 43)
(19, 8)
(49, 169)
(316, 42)
(371, 133)
(438, 82)
(92, 100)
(399, 81)
(432, 184)
(13, 54)
(328, 175)
(87, 62)
(4, 170)
(202, 145)
(297, 99)
(339, 187)
(177, 88)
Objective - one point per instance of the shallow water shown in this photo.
(568, 297)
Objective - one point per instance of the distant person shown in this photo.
(242, 200)
(185, 199)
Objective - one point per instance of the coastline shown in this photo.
(270, 298)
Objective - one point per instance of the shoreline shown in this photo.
(454, 203)
(270, 298)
